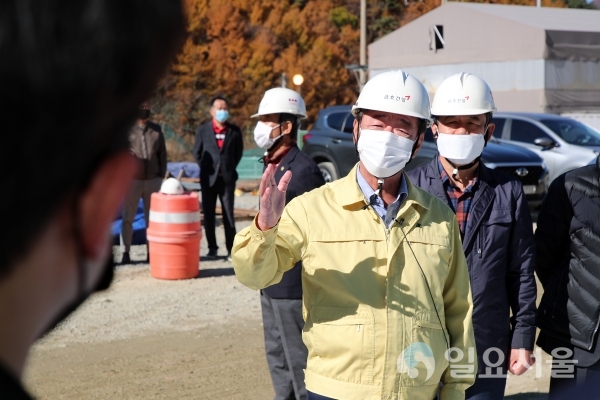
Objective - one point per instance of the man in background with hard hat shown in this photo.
(218, 150)
(84, 67)
(147, 144)
(496, 228)
(279, 115)
(385, 286)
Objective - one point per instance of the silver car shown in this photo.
(563, 143)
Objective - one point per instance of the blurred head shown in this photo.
(85, 66)
(144, 111)
(219, 109)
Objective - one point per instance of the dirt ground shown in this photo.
(194, 339)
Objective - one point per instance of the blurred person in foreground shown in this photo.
(147, 143)
(84, 67)
(279, 115)
(495, 227)
(218, 149)
(567, 242)
(385, 285)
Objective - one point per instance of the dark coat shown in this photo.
(306, 176)
(211, 160)
(147, 144)
(498, 245)
(568, 264)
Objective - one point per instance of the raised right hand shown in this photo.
(272, 198)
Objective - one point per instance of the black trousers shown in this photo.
(584, 384)
(225, 193)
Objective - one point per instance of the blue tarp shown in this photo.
(190, 169)
(139, 226)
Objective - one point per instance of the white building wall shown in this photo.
(500, 75)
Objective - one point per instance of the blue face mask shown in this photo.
(222, 115)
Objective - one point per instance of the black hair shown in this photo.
(212, 101)
(72, 77)
(294, 119)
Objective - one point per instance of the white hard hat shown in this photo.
(280, 101)
(171, 186)
(463, 94)
(394, 92)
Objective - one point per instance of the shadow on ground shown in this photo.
(207, 273)
(528, 396)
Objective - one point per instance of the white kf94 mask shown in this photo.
(460, 149)
(262, 134)
(383, 153)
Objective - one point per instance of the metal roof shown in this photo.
(547, 18)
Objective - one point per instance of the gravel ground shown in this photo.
(149, 305)
(191, 339)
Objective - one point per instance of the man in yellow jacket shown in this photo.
(386, 295)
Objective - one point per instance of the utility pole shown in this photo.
(363, 44)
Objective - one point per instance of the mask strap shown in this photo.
(356, 143)
(462, 167)
(412, 153)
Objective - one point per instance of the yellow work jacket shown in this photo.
(371, 328)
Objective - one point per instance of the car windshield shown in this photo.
(573, 132)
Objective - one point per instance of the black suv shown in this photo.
(330, 144)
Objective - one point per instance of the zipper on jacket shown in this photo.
(480, 242)
(594, 335)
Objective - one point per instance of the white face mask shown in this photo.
(460, 149)
(383, 153)
(262, 135)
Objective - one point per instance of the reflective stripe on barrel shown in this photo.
(174, 218)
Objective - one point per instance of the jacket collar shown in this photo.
(288, 159)
(483, 199)
(349, 195)
(432, 172)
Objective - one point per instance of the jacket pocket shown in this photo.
(343, 345)
(423, 361)
(494, 234)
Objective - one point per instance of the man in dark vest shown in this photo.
(279, 114)
(218, 150)
(567, 264)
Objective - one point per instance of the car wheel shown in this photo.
(328, 171)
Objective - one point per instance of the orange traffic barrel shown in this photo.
(174, 232)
